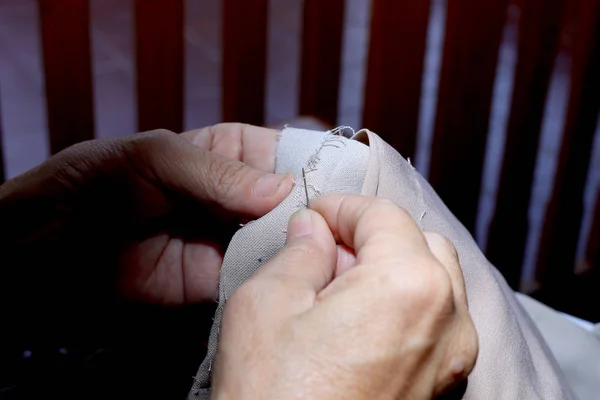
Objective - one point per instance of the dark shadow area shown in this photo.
(153, 354)
(579, 296)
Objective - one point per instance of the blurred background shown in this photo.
(495, 102)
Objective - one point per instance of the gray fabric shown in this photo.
(576, 350)
(333, 164)
(514, 362)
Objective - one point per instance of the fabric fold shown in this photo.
(514, 362)
(333, 164)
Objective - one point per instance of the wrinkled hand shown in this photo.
(316, 323)
(151, 212)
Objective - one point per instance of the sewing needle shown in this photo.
(305, 188)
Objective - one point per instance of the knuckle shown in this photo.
(385, 204)
(155, 133)
(471, 346)
(462, 352)
(82, 161)
(153, 140)
(381, 207)
(225, 129)
(428, 289)
(235, 127)
(440, 289)
(402, 211)
(152, 152)
(226, 175)
(444, 244)
(146, 144)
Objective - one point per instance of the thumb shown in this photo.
(307, 262)
(207, 177)
(237, 187)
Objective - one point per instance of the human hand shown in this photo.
(316, 323)
(151, 212)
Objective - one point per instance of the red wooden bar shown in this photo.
(539, 29)
(2, 165)
(563, 218)
(392, 97)
(395, 69)
(473, 34)
(244, 60)
(321, 58)
(65, 34)
(159, 60)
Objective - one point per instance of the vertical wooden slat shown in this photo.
(539, 32)
(65, 30)
(244, 60)
(395, 69)
(159, 59)
(321, 58)
(565, 209)
(473, 34)
(2, 165)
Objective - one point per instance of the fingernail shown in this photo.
(267, 185)
(300, 224)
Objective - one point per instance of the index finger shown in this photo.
(376, 228)
(252, 145)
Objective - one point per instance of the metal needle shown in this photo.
(305, 188)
